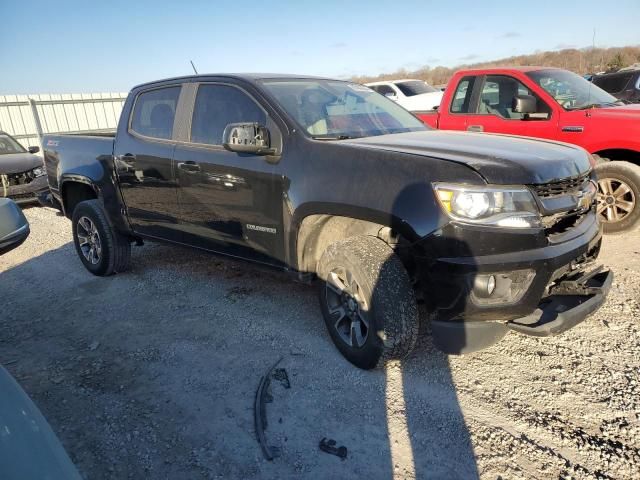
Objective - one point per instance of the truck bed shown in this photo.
(82, 154)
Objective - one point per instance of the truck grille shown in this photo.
(22, 178)
(565, 195)
(562, 187)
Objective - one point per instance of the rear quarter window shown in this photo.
(461, 100)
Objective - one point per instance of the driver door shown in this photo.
(494, 112)
(229, 202)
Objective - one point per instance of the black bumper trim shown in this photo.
(458, 337)
(559, 313)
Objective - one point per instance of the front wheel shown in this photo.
(618, 195)
(367, 301)
(102, 250)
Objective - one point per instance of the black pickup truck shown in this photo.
(328, 179)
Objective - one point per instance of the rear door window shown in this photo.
(219, 105)
(383, 89)
(154, 112)
(462, 95)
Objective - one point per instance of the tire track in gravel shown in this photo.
(522, 422)
(521, 435)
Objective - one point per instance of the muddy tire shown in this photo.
(367, 301)
(102, 250)
(618, 195)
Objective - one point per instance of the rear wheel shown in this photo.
(367, 301)
(618, 195)
(102, 250)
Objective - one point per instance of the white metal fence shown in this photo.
(28, 117)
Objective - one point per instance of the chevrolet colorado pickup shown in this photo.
(554, 104)
(329, 180)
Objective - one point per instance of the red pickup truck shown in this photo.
(559, 105)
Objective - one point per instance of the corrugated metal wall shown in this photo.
(26, 117)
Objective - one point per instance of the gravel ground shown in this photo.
(153, 373)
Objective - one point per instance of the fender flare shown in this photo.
(66, 178)
(364, 214)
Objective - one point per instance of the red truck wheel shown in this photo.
(618, 195)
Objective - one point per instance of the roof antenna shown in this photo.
(194, 67)
(593, 49)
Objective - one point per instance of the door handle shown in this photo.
(475, 128)
(189, 166)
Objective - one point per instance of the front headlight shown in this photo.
(512, 207)
(38, 171)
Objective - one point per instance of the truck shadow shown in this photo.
(150, 354)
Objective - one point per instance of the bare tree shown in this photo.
(581, 61)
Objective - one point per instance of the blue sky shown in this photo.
(84, 46)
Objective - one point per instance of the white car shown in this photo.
(414, 95)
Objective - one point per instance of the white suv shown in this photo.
(414, 95)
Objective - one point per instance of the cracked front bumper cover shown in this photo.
(574, 301)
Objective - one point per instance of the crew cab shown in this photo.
(329, 180)
(555, 104)
(414, 95)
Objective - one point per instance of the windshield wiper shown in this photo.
(336, 137)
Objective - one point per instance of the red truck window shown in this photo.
(462, 97)
(497, 96)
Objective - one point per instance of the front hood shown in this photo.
(429, 95)
(18, 162)
(500, 159)
(426, 100)
(631, 111)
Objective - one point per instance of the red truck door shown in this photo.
(493, 111)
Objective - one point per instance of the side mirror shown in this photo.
(391, 96)
(14, 227)
(524, 104)
(34, 149)
(250, 138)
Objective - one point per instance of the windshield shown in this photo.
(572, 91)
(415, 87)
(9, 145)
(336, 110)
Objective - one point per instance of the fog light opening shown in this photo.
(501, 288)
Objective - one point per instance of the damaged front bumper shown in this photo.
(535, 287)
(570, 302)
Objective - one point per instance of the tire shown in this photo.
(366, 272)
(91, 229)
(618, 195)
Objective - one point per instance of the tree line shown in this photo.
(582, 61)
